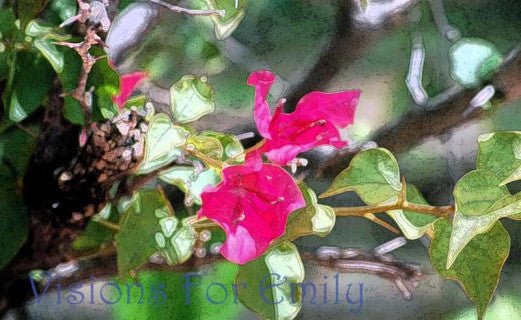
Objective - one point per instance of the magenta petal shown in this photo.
(129, 83)
(252, 204)
(337, 107)
(262, 81)
(239, 247)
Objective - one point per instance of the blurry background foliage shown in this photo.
(288, 37)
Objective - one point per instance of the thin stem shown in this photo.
(400, 204)
(189, 12)
(443, 211)
(107, 224)
(29, 132)
(202, 156)
(244, 152)
(382, 223)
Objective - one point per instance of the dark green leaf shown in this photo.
(148, 226)
(13, 218)
(29, 9)
(95, 235)
(478, 266)
(31, 82)
(139, 224)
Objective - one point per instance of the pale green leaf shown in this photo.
(161, 143)
(313, 219)
(473, 60)
(188, 181)
(51, 53)
(467, 227)
(191, 98)
(269, 281)
(224, 26)
(477, 191)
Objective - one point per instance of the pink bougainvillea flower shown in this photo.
(129, 83)
(252, 204)
(315, 121)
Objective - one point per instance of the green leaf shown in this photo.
(148, 226)
(224, 26)
(161, 143)
(232, 147)
(7, 19)
(265, 285)
(135, 241)
(413, 224)
(102, 78)
(65, 8)
(466, 227)
(13, 219)
(479, 265)
(313, 219)
(185, 178)
(373, 174)
(477, 191)
(209, 146)
(473, 60)
(96, 236)
(191, 98)
(51, 53)
(500, 152)
(32, 80)
(16, 147)
(29, 9)
(36, 28)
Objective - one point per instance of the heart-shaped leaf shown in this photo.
(478, 266)
(373, 174)
(161, 143)
(234, 13)
(191, 98)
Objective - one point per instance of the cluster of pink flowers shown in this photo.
(253, 201)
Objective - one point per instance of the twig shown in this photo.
(80, 93)
(400, 204)
(189, 12)
(29, 132)
(450, 111)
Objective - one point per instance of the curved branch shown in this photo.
(452, 109)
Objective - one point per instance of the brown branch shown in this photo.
(80, 93)
(452, 111)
